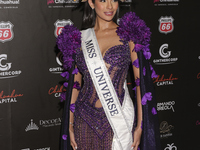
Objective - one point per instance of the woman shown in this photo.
(104, 114)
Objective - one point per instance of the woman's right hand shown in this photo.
(72, 137)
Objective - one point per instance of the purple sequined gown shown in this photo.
(91, 127)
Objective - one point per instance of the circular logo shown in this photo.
(59, 58)
(162, 52)
(5, 67)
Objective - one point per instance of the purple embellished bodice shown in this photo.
(88, 106)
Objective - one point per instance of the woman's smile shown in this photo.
(108, 13)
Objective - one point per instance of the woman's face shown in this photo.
(106, 9)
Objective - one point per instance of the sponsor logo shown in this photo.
(198, 75)
(43, 123)
(9, 1)
(9, 4)
(127, 1)
(62, 3)
(56, 90)
(170, 147)
(6, 31)
(162, 53)
(50, 122)
(166, 2)
(165, 54)
(166, 106)
(166, 24)
(59, 60)
(46, 148)
(165, 129)
(5, 67)
(12, 98)
(50, 2)
(59, 25)
(161, 80)
(31, 126)
(197, 122)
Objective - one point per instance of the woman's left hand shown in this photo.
(137, 137)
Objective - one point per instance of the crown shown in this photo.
(31, 126)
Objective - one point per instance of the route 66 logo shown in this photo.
(171, 147)
(6, 31)
(59, 25)
(166, 24)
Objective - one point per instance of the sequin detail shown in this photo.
(89, 114)
(137, 82)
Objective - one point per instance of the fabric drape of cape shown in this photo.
(131, 28)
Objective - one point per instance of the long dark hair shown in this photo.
(89, 16)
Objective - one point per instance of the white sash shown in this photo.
(120, 117)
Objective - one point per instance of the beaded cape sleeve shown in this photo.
(68, 42)
(131, 28)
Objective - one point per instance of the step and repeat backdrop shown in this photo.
(30, 64)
